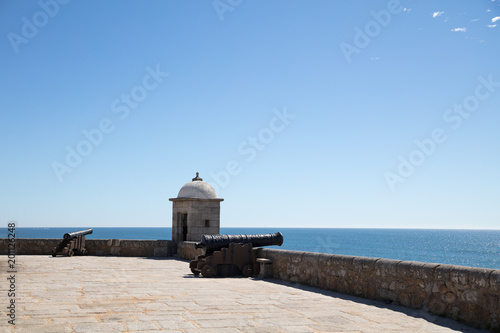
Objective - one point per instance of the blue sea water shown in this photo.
(477, 248)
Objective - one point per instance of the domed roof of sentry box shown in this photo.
(197, 188)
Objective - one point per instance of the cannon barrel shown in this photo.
(71, 235)
(211, 243)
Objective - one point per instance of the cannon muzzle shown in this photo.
(211, 243)
(71, 235)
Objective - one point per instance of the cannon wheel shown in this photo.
(207, 271)
(247, 271)
(70, 253)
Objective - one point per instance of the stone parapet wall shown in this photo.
(466, 294)
(130, 248)
(186, 250)
(29, 246)
(95, 247)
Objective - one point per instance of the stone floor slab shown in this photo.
(130, 294)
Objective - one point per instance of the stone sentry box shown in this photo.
(195, 211)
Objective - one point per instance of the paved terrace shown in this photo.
(130, 294)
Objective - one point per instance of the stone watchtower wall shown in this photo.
(195, 211)
(201, 216)
(466, 294)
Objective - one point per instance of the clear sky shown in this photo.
(381, 114)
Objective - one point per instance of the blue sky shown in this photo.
(381, 114)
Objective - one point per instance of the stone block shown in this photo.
(494, 281)
(324, 270)
(210, 217)
(97, 247)
(180, 204)
(460, 275)
(450, 297)
(364, 264)
(489, 301)
(479, 277)
(401, 286)
(99, 327)
(470, 296)
(193, 217)
(324, 260)
(198, 224)
(403, 299)
(196, 230)
(282, 262)
(387, 296)
(31, 246)
(193, 237)
(442, 272)
(417, 299)
(187, 250)
(114, 251)
(339, 261)
(464, 312)
(386, 267)
(404, 269)
(436, 305)
(442, 289)
(310, 267)
(392, 286)
(292, 256)
(162, 252)
(113, 242)
(212, 230)
(423, 271)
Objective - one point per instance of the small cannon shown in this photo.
(227, 255)
(72, 243)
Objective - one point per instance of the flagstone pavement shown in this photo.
(131, 294)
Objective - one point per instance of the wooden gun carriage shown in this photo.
(228, 255)
(72, 243)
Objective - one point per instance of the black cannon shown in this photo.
(227, 255)
(72, 243)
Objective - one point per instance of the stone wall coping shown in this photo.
(99, 239)
(378, 261)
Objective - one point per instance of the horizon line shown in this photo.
(272, 227)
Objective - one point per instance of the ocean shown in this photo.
(476, 248)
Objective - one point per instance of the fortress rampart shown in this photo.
(96, 247)
(466, 294)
